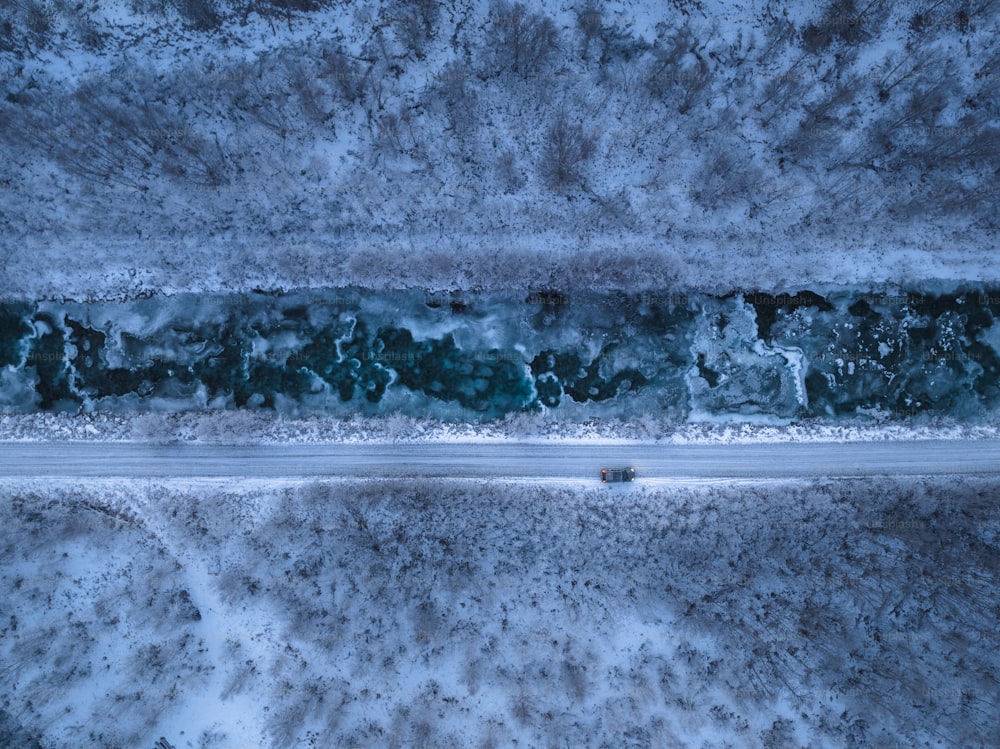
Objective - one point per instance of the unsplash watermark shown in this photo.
(410, 357)
(495, 357)
(46, 357)
(893, 523)
(893, 300)
(781, 300)
(666, 300)
(548, 298)
(389, 357)
(951, 355)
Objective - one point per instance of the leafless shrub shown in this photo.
(394, 132)
(779, 33)
(426, 621)
(779, 94)
(294, 94)
(107, 132)
(88, 32)
(472, 673)
(679, 73)
(410, 32)
(38, 19)
(342, 73)
(508, 172)
(458, 97)
(725, 178)
(302, 6)
(523, 41)
(258, 92)
(816, 38)
(844, 21)
(25, 24)
(282, 8)
(920, 66)
(152, 7)
(590, 23)
(413, 22)
(201, 14)
(781, 733)
(566, 151)
(614, 211)
(311, 93)
(574, 679)
(522, 709)
(241, 675)
(8, 35)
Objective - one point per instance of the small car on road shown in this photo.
(615, 475)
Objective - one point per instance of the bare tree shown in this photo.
(679, 72)
(843, 20)
(413, 22)
(590, 24)
(459, 99)
(778, 34)
(567, 149)
(509, 172)
(202, 14)
(726, 178)
(342, 72)
(25, 24)
(523, 41)
(390, 130)
(38, 18)
(110, 134)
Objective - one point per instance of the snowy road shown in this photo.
(496, 460)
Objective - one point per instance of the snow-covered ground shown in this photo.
(223, 145)
(464, 613)
(254, 427)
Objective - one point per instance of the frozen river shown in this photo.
(750, 356)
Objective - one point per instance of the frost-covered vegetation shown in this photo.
(224, 143)
(854, 613)
(266, 427)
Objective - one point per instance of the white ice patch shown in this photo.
(991, 337)
(750, 377)
(17, 390)
(796, 362)
(41, 327)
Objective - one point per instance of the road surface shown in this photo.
(498, 460)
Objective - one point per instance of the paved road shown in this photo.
(512, 460)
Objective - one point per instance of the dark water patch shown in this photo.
(903, 354)
(47, 358)
(14, 330)
(487, 382)
(861, 308)
(770, 306)
(710, 375)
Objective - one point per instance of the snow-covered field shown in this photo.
(463, 613)
(225, 145)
